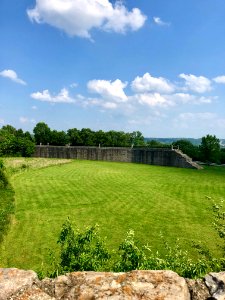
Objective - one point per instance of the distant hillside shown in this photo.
(196, 142)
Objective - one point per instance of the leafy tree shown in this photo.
(9, 129)
(74, 137)
(188, 148)
(137, 139)
(100, 138)
(210, 148)
(87, 137)
(42, 133)
(14, 142)
(222, 156)
(58, 138)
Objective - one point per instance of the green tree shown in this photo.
(42, 133)
(15, 143)
(87, 137)
(137, 139)
(210, 148)
(74, 137)
(58, 138)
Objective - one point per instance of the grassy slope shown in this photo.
(117, 196)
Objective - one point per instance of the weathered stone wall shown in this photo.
(136, 285)
(159, 157)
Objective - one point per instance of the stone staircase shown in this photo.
(186, 160)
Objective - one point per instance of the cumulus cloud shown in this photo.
(198, 84)
(2, 121)
(153, 100)
(146, 92)
(148, 83)
(62, 97)
(13, 76)
(79, 17)
(219, 79)
(159, 22)
(113, 90)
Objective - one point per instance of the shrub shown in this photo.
(81, 251)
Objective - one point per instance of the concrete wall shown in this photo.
(159, 157)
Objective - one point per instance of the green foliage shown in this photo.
(3, 177)
(156, 144)
(81, 251)
(15, 143)
(86, 137)
(42, 133)
(131, 254)
(210, 148)
(6, 201)
(188, 148)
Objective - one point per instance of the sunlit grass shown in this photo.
(118, 197)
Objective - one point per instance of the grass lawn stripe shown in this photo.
(117, 196)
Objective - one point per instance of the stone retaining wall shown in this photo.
(159, 157)
(136, 285)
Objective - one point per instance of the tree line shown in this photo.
(86, 137)
(15, 142)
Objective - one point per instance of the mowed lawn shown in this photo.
(117, 196)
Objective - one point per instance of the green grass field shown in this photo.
(117, 196)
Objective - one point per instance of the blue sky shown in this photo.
(154, 66)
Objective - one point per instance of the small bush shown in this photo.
(80, 251)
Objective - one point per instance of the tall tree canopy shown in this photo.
(15, 142)
(210, 148)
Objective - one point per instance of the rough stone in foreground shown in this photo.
(198, 289)
(152, 285)
(14, 280)
(216, 285)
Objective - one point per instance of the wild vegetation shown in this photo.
(6, 201)
(119, 197)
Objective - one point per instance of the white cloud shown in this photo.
(79, 17)
(198, 84)
(153, 100)
(189, 98)
(25, 120)
(148, 83)
(62, 97)
(34, 107)
(13, 76)
(159, 22)
(109, 105)
(220, 79)
(2, 121)
(108, 89)
(206, 116)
